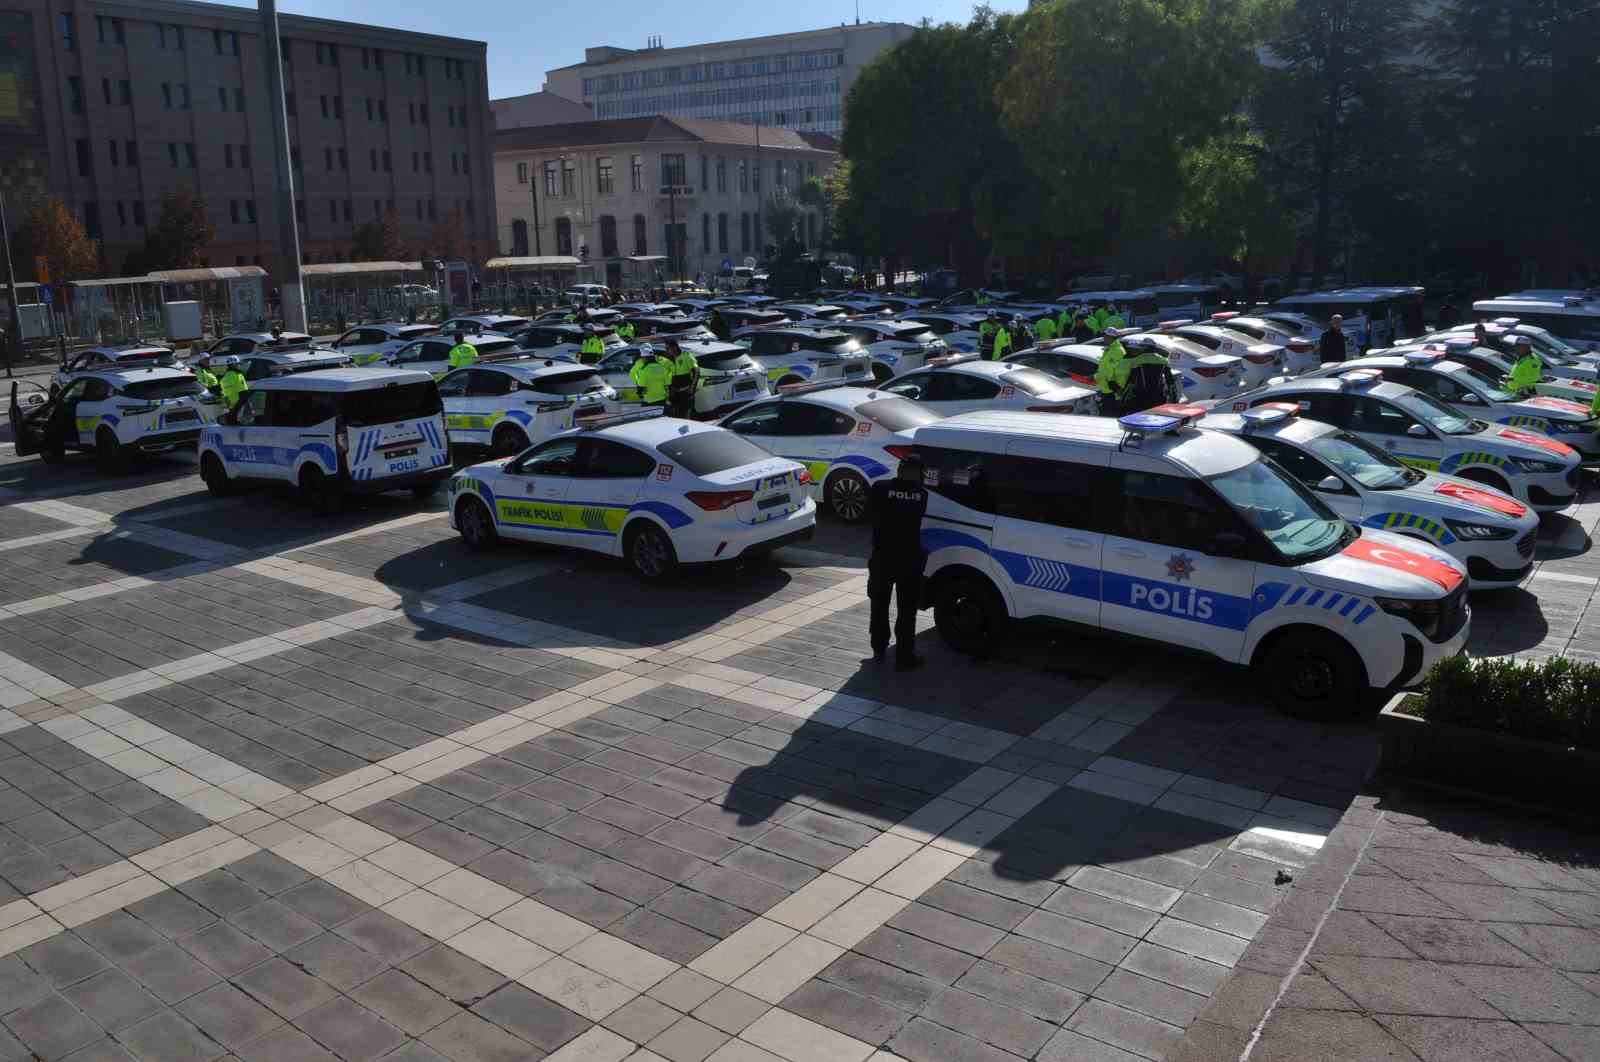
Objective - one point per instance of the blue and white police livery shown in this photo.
(656, 491)
(729, 376)
(1077, 363)
(242, 343)
(472, 323)
(367, 344)
(332, 433)
(1488, 532)
(1559, 359)
(127, 356)
(265, 363)
(431, 354)
(1147, 528)
(1497, 364)
(961, 383)
(116, 413)
(848, 438)
(894, 346)
(801, 354)
(1258, 362)
(1420, 431)
(502, 407)
(958, 330)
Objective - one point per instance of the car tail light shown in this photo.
(900, 453)
(1209, 372)
(1049, 409)
(803, 476)
(716, 500)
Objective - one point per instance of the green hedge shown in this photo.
(1556, 700)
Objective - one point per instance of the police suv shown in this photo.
(332, 433)
(130, 356)
(1560, 360)
(367, 344)
(729, 377)
(1260, 362)
(118, 413)
(958, 383)
(504, 406)
(895, 346)
(1077, 363)
(432, 354)
(1474, 393)
(1147, 527)
(1490, 362)
(801, 354)
(1424, 433)
(654, 490)
(468, 324)
(848, 438)
(1489, 533)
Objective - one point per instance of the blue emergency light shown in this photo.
(1420, 357)
(1161, 419)
(1361, 378)
(1458, 344)
(1268, 414)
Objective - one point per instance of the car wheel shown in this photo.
(650, 553)
(508, 441)
(320, 492)
(215, 476)
(970, 615)
(1487, 478)
(848, 496)
(109, 454)
(475, 524)
(1312, 675)
(423, 491)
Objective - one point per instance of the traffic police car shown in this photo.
(563, 341)
(847, 437)
(117, 413)
(669, 325)
(1490, 533)
(368, 343)
(654, 490)
(330, 433)
(958, 330)
(895, 346)
(1495, 365)
(1148, 528)
(1560, 361)
(1078, 362)
(1475, 394)
(264, 363)
(729, 376)
(1206, 374)
(498, 323)
(1424, 433)
(801, 354)
(1259, 362)
(432, 354)
(811, 312)
(242, 343)
(504, 406)
(958, 383)
(133, 355)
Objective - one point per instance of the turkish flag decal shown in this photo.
(1482, 498)
(1546, 402)
(1404, 560)
(1532, 438)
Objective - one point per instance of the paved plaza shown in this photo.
(277, 787)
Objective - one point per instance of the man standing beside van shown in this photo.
(1332, 342)
(895, 567)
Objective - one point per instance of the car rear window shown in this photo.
(725, 360)
(1031, 381)
(385, 405)
(707, 452)
(916, 335)
(413, 331)
(169, 388)
(897, 414)
(834, 345)
(569, 383)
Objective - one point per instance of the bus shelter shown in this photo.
(231, 298)
(339, 294)
(520, 283)
(644, 272)
(117, 309)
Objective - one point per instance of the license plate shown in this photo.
(173, 418)
(854, 370)
(391, 455)
(745, 385)
(772, 501)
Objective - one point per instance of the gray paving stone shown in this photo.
(323, 903)
(52, 1027)
(975, 904)
(350, 1030)
(63, 959)
(1024, 992)
(1156, 999)
(530, 1017)
(731, 1010)
(119, 936)
(923, 1041)
(453, 975)
(468, 1038)
(663, 936)
(1175, 968)
(922, 957)
(336, 961)
(403, 1002)
(165, 1037)
(1094, 941)
(284, 987)
(285, 1044)
(269, 873)
(384, 936)
(641, 1019)
(275, 925)
(228, 1015)
(1069, 1046)
(1049, 963)
(100, 1051)
(953, 931)
(171, 973)
(1102, 911)
(1125, 1028)
(688, 1040)
(113, 999)
(19, 986)
(685, 990)
(225, 949)
(221, 893)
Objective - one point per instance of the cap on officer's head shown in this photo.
(1337, 318)
(225, 361)
(1524, 341)
(646, 350)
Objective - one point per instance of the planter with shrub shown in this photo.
(1526, 731)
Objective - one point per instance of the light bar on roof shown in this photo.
(1361, 378)
(1421, 357)
(1269, 413)
(607, 420)
(1162, 419)
(808, 388)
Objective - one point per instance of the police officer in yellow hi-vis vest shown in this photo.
(592, 349)
(1526, 372)
(652, 375)
(1045, 330)
(233, 384)
(463, 353)
(685, 378)
(625, 331)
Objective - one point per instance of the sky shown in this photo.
(524, 44)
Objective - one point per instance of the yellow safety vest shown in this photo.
(234, 385)
(653, 375)
(463, 354)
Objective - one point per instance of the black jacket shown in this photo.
(1332, 348)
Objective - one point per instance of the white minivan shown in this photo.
(332, 433)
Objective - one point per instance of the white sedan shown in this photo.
(1260, 361)
(962, 383)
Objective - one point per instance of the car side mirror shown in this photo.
(1330, 483)
(1417, 431)
(1225, 544)
(1471, 399)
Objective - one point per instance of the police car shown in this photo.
(675, 325)
(94, 359)
(895, 346)
(1489, 533)
(1076, 363)
(729, 377)
(432, 353)
(503, 407)
(115, 412)
(332, 433)
(1149, 528)
(656, 491)
(1560, 361)
(1544, 339)
(812, 312)
(265, 363)
(635, 308)
(242, 343)
(802, 354)
(1300, 353)
(1471, 392)
(958, 383)
(1259, 362)
(563, 340)
(368, 343)
(498, 323)
(1424, 433)
(847, 437)
(958, 330)
(1495, 365)
(1205, 375)
(1304, 326)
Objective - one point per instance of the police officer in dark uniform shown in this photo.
(897, 561)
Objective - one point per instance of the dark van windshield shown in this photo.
(385, 405)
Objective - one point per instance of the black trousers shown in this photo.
(680, 402)
(906, 586)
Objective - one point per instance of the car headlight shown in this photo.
(1418, 612)
(1531, 465)
(1479, 532)
(1569, 427)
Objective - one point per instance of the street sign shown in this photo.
(727, 264)
(45, 294)
(41, 269)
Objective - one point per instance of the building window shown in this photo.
(722, 174)
(138, 213)
(366, 58)
(550, 177)
(372, 157)
(344, 161)
(294, 156)
(569, 176)
(233, 211)
(641, 231)
(636, 171)
(674, 170)
(244, 157)
(722, 233)
(113, 145)
(222, 98)
(416, 162)
(183, 95)
(419, 210)
(563, 236)
(85, 161)
(466, 162)
(372, 112)
(172, 153)
(705, 171)
(166, 95)
(227, 156)
(433, 211)
(122, 213)
(387, 166)
(116, 35)
(75, 95)
(427, 162)
(288, 104)
(238, 100)
(755, 176)
(130, 152)
(422, 112)
(705, 232)
(744, 177)
(323, 99)
(383, 111)
(744, 230)
(188, 154)
(105, 89)
(377, 58)
(250, 211)
(333, 210)
(338, 106)
(125, 93)
(519, 238)
(300, 211)
(327, 159)
(455, 165)
(605, 182)
(69, 33)
(608, 236)
(91, 220)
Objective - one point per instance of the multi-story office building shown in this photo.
(695, 191)
(110, 105)
(793, 80)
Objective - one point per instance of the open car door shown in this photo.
(30, 415)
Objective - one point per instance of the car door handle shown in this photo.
(1077, 543)
(1125, 551)
(303, 435)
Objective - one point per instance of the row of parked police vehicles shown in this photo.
(1320, 523)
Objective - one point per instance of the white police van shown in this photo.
(729, 376)
(654, 490)
(332, 433)
(503, 407)
(1149, 528)
(117, 413)
(848, 438)
(1490, 533)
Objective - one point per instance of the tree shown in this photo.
(53, 232)
(1106, 97)
(380, 240)
(782, 215)
(1229, 211)
(180, 236)
(448, 240)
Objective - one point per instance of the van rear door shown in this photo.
(393, 430)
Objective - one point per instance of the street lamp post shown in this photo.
(291, 292)
(14, 333)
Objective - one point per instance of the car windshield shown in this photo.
(1299, 525)
(1487, 386)
(385, 405)
(837, 345)
(897, 414)
(1435, 414)
(915, 335)
(706, 452)
(725, 360)
(568, 383)
(172, 387)
(1362, 461)
(1031, 381)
